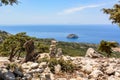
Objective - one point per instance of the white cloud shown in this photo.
(76, 9)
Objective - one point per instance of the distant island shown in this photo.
(72, 36)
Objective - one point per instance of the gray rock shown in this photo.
(92, 53)
(61, 79)
(110, 70)
(28, 76)
(57, 68)
(59, 52)
(17, 73)
(47, 76)
(34, 65)
(43, 65)
(8, 76)
(96, 73)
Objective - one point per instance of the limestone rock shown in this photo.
(87, 68)
(34, 65)
(43, 65)
(96, 73)
(61, 79)
(57, 68)
(59, 52)
(110, 70)
(92, 53)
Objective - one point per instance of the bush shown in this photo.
(45, 59)
(66, 66)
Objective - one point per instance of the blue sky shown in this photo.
(55, 12)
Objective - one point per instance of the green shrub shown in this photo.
(52, 62)
(66, 66)
(45, 59)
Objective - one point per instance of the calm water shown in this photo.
(86, 33)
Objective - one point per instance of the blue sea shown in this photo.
(86, 33)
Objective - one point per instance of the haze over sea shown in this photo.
(86, 33)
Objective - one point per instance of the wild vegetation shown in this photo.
(8, 2)
(13, 45)
(106, 46)
(114, 13)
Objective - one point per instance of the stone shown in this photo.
(59, 52)
(53, 42)
(8, 76)
(96, 73)
(110, 70)
(34, 65)
(17, 73)
(73, 79)
(25, 66)
(28, 76)
(52, 50)
(35, 71)
(87, 68)
(92, 53)
(117, 74)
(61, 79)
(48, 77)
(43, 65)
(57, 68)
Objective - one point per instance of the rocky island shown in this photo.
(72, 36)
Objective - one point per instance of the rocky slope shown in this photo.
(86, 69)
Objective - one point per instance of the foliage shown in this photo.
(106, 47)
(45, 59)
(52, 62)
(42, 48)
(66, 66)
(114, 13)
(14, 44)
(8, 2)
(12, 66)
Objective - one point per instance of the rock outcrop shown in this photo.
(53, 48)
(92, 53)
(29, 47)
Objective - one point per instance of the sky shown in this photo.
(56, 12)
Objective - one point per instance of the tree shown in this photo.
(14, 44)
(106, 47)
(8, 2)
(114, 13)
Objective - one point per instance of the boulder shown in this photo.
(43, 65)
(57, 68)
(59, 52)
(6, 75)
(34, 65)
(87, 69)
(17, 72)
(96, 73)
(110, 70)
(92, 53)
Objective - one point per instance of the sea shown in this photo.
(86, 33)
